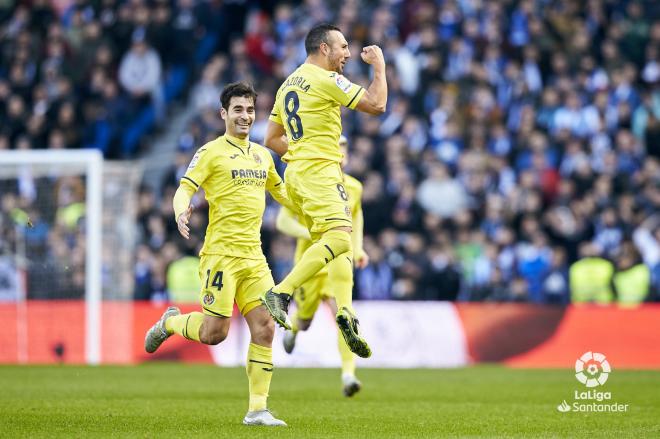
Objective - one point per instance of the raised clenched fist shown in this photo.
(373, 55)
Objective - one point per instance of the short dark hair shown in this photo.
(317, 35)
(237, 89)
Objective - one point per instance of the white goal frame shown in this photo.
(92, 162)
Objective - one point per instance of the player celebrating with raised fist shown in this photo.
(304, 128)
(316, 289)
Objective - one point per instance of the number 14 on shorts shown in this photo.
(217, 279)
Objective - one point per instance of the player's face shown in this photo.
(337, 54)
(239, 117)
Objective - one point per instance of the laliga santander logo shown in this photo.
(592, 369)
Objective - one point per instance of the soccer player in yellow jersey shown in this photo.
(304, 128)
(234, 173)
(309, 295)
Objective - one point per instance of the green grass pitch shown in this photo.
(177, 401)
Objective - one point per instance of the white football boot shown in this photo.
(157, 334)
(351, 385)
(263, 417)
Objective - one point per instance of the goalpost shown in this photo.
(21, 170)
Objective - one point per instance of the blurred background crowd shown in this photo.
(518, 160)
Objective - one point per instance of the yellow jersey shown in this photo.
(308, 106)
(235, 174)
(354, 191)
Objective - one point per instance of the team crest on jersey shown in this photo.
(343, 83)
(257, 158)
(209, 299)
(348, 211)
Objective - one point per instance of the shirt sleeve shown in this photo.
(275, 115)
(338, 88)
(182, 198)
(198, 169)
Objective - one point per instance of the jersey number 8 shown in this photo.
(342, 192)
(291, 106)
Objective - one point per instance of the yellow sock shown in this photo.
(340, 276)
(347, 357)
(186, 325)
(331, 246)
(259, 370)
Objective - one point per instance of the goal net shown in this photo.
(50, 250)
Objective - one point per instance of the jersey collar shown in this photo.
(242, 144)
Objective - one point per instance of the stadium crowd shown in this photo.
(101, 74)
(88, 74)
(518, 160)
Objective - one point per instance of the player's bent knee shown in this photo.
(263, 334)
(262, 326)
(213, 333)
(212, 338)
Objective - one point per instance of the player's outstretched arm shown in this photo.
(276, 138)
(183, 208)
(374, 100)
(288, 224)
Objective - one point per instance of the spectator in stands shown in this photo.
(534, 262)
(143, 272)
(442, 279)
(183, 284)
(439, 194)
(647, 242)
(140, 74)
(9, 278)
(375, 281)
(632, 279)
(205, 93)
(555, 283)
(591, 277)
(70, 196)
